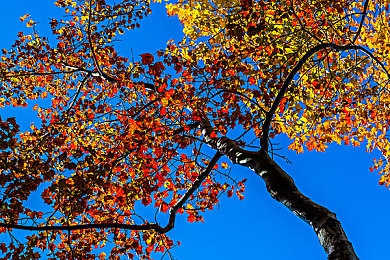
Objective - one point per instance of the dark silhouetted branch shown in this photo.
(270, 114)
(364, 13)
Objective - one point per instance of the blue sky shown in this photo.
(257, 227)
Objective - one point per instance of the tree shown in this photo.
(115, 135)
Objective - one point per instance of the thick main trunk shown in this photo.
(328, 229)
(283, 189)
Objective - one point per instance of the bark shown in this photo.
(283, 189)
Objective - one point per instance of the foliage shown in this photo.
(116, 139)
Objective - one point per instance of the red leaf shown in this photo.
(224, 110)
(164, 207)
(163, 111)
(315, 83)
(61, 45)
(146, 201)
(282, 105)
(252, 80)
(191, 218)
(147, 58)
(213, 135)
(90, 115)
(3, 247)
(150, 248)
(245, 4)
(162, 88)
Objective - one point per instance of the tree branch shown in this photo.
(361, 21)
(101, 73)
(267, 122)
(196, 183)
(148, 226)
(282, 188)
(82, 226)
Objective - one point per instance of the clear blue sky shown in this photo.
(257, 227)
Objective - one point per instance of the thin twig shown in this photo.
(361, 21)
(101, 73)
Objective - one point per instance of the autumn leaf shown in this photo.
(191, 218)
(315, 83)
(61, 45)
(164, 207)
(24, 17)
(252, 80)
(224, 165)
(163, 111)
(213, 135)
(147, 58)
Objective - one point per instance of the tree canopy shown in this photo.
(116, 136)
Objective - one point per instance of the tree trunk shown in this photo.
(282, 188)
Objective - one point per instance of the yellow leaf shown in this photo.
(31, 23)
(224, 165)
(22, 18)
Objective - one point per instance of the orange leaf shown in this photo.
(22, 18)
(231, 72)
